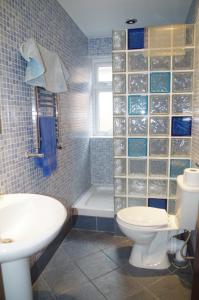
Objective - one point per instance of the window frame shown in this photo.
(98, 87)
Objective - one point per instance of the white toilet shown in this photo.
(152, 229)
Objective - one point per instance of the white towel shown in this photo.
(44, 68)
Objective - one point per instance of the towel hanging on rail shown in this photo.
(44, 68)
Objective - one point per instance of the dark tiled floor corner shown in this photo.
(93, 265)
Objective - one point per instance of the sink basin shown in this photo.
(28, 223)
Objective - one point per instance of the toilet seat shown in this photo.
(141, 216)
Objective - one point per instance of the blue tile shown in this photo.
(177, 166)
(137, 105)
(137, 147)
(106, 224)
(158, 203)
(160, 82)
(84, 222)
(136, 38)
(181, 126)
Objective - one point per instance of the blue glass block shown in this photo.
(158, 203)
(136, 38)
(137, 147)
(181, 126)
(137, 105)
(177, 166)
(160, 82)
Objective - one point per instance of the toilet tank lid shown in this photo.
(144, 216)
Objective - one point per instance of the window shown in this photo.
(102, 98)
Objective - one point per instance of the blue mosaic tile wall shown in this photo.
(152, 120)
(100, 46)
(101, 159)
(53, 28)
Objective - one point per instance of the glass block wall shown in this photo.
(152, 107)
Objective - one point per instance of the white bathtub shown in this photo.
(97, 202)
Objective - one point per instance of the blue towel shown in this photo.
(47, 146)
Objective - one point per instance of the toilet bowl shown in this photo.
(151, 230)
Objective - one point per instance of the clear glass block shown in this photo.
(183, 62)
(172, 188)
(136, 202)
(158, 167)
(120, 203)
(138, 126)
(137, 167)
(177, 166)
(137, 62)
(158, 147)
(172, 207)
(157, 188)
(119, 166)
(180, 147)
(159, 104)
(160, 82)
(182, 82)
(120, 186)
(182, 104)
(138, 83)
(160, 63)
(119, 126)
(119, 83)
(159, 125)
(137, 187)
(119, 146)
(119, 105)
(137, 105)
(119, 62)
(119, 40)
(189, 34)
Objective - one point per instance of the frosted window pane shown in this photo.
(104, 74)
(105, 110)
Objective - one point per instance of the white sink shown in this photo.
(28, 223)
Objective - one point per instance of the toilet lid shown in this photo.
(144, 216)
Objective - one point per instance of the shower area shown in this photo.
(152, 123)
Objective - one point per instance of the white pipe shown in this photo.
(175, 246)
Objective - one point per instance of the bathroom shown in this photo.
(89, 258)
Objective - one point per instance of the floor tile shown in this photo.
(84, 292)
(144, 294)
(41, 290)
(120, 255)
(117, 285)
(171, 287)
(60, 258)
(79, 248)
(146, 277)
(95, 265)
(64, 278)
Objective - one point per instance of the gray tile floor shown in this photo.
(94, 266)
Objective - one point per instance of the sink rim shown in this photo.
(27, 247)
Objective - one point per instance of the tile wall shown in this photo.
(101, 156)
(101, 149)
(51, 26)
(152, 119)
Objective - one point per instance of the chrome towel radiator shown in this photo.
(46, 104)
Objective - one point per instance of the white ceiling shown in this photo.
(97, 18)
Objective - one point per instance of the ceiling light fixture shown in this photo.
(131, 21)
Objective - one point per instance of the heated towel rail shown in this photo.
(46, 104)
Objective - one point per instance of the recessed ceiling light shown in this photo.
(131, 21)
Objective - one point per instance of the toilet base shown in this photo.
(141, 259)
